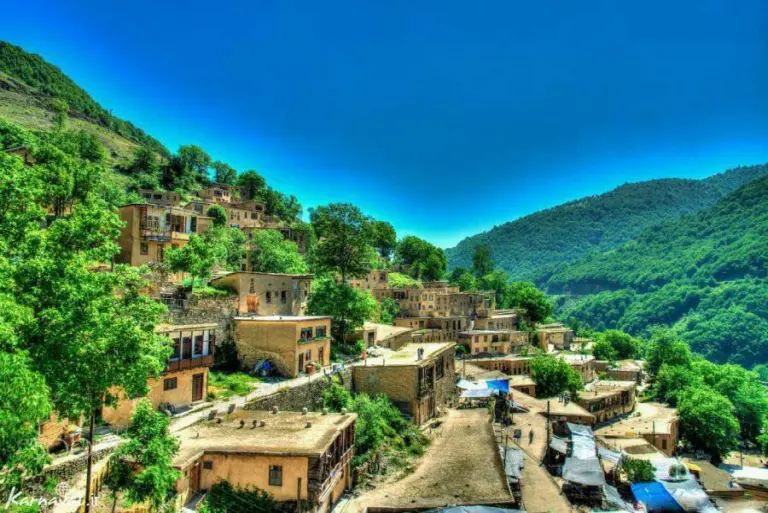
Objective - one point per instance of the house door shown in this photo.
(252, 302)
(160, 252)
(197, 387)
(321, 355)
(194, 477)
(301, 362)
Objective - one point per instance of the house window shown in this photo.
(663, 444)
(144, 248)
(198, 351)
(275, 475)
(439, 369)
(320, 331)
(169, 384)
(176, 349)
(207, 465)
(252, 288)
(193, 225)
(306, 333)
(283, 297)
(269, 297)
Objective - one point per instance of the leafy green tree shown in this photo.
(497, 281)
(402, 281)
(251, 183)
(625, 345)
(762, 371)
(425, 261)
(144, 163)
(603, 350)
(666, 348)
(455, 274)
(224, 498)
(388, 310)
(554, 376)
(344, 240)
(336, 397)
(434, 267)
(285, 208)
(384, 238)
(273, 254)
(196, 257)
(481, 260)
(673, 380)
(196, 160)
(60, 111)
(637, 471)
(524, 294)
(13, 135)
(227, 246)
(141, 468)
(218, 214)
(466, 282)
(224, 173)
(348, 306)
(707, 421)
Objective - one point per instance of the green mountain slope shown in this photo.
(28, 83)
(706, 274)
(526, 247)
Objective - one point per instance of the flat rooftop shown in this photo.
(521, 380)
(253, 273)
(648, 417)
(385, 331)
(408, 354)
(281, 318)
(605, 388)
(165, 328)
(486, 332)
(576, 358)
(284, 433)
(556, 407)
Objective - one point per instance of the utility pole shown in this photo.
(548, 435)
(654, 433)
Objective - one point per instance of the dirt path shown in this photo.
(460, 467)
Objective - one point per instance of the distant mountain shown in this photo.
(527, 247)
(28, 83)
(706, 274)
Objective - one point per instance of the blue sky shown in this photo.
(444, 117)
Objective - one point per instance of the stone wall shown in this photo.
(309, 395)
(206, 310)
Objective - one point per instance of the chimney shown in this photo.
(275, 410)
(309, 424)
(304, 411)
(325, 411)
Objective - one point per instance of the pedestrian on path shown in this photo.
(530, 436)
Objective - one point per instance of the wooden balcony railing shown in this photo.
(189, 363)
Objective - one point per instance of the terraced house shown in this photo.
(298, 458)
(184, 382)
(268, 293)
(494, 341)
(151, 229)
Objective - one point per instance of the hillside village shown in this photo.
(196, 346)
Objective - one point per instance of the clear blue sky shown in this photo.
(444, 117)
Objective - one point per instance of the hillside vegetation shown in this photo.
(526, 247)
(704, 273)
(28, 83)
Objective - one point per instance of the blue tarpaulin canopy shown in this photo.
(655, 497)
(498, 384)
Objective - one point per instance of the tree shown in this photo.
(224, 498)
(60, 111)
(762, 371)
(434, 267)
(422, 258)
(193, 157)
(603, 350)
(672, 380)
(554, 376)
(224, 173)
(497, 281)
(524, 294)
(666, 348)
(285, 208)
(624, 344)
(251, 183)
(388, 310)
(384, 238)
(481, 260)
(344, 240)
(348, 306)
(196, 257)
(218, 214)
(227, 246)
(274, 254)
(707, 421)
(637, 471)
(142, 466)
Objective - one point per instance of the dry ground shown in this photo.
(460, 467)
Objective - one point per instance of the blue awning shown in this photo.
(498, 384)
(655, 497)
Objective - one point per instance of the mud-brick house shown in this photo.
(161, 198)
(294, 344)
(608, 399)
(268, 293)
(149, 230)
(183, 383)
(298, 458)
(554, 336)
(418, 378)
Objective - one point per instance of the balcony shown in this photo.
(319, 496)
(189, 363)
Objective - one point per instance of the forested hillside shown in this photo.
(526, 247)
(704, 273)
(46, 81)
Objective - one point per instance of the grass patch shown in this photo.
(223, 386)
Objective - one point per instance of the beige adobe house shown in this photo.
(151, 229)
(161, 198)
(657, 424)
(217, 193)
(298, 458)
(512, 365)
(56, 432)
(558, 409)
(383, 335)
(183, 383)
(555, 335)
(290, 342)
(608, 399)
(418, 378)
(584, 364)
(626, 370)
(523, 383)
(268, 293)
(493, 341)
(375, 279)
(499, 320)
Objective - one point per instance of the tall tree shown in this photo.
(666, 348)
(251, 183)
(384, 238)
(274, 254)
(218, 214)
(524, 294)
(196, 257)
(348, 306)
(481, 260)
(707, 421)
(224, 173)
(554, 376)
